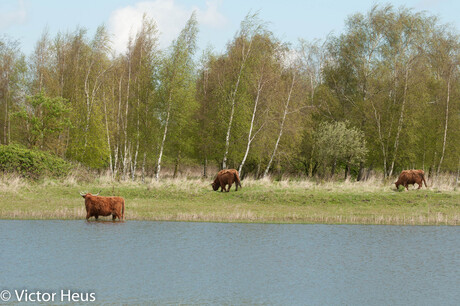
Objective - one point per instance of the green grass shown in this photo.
(258, 201)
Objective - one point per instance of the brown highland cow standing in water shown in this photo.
(408, 177)
(226, 177)
(104, 206)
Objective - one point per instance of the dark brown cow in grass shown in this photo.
(226, 177)
(408, 177)
(104, 206)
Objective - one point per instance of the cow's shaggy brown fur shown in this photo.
(226, 177)
(104, 206)
(408, 177)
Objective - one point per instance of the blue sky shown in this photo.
(219, 20)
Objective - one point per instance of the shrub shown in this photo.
(338, 143)
(32, 164)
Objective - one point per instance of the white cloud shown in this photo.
(15, 16)
(211, 16)
(169, 16)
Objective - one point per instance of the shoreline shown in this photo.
(109, 220)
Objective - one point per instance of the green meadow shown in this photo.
(264, 201)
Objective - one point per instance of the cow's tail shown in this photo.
(123, 210)
(237, 180)
(423, 178)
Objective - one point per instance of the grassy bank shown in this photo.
(371, 202)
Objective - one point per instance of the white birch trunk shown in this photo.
(90, 97)
(125, 127)
(157, 174)
(286, 108)
(250, 136)
(143, 167)
(108, 137)
(445, 126)
(133, 174)
(382, 143)
(88, 105)
(126, 158)
(117, 145)
(400, 122)
(115, 161)
(233, 101)
(133, 170)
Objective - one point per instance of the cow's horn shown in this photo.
(98, 193)
(82, 193)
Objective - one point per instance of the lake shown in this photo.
(223, 263)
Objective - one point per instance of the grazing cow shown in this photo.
(411, 177)
(226, 177)
(104, 206)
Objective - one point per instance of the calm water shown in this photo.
(207, 263)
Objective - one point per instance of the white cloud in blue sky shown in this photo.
(219, 20)
(169, 15)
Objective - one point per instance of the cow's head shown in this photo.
(85, 194)
(215, 186)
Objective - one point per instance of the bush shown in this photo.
(32, 164)
(337, 142)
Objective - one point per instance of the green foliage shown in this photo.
(44, 118)
(31, 163)
(393, 74)
(176, 94)
(94, 152)
(388, 74)
(336, 142)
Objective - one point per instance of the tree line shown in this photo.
(381, 96)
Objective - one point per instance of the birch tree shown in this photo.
(40, 62)
(95, 70)
(444, 58)
(12, 73)
(375, 72)
(140, 63)
(283, 121)
(176, 76)
(206, 111)
(263, 66)
(250, 27)
(410, 29)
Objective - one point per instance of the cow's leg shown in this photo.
(96, 216)
(114, 216)
(88, 216)
(222, 185)
(407, 186)
(229, 186)
(419, 185)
